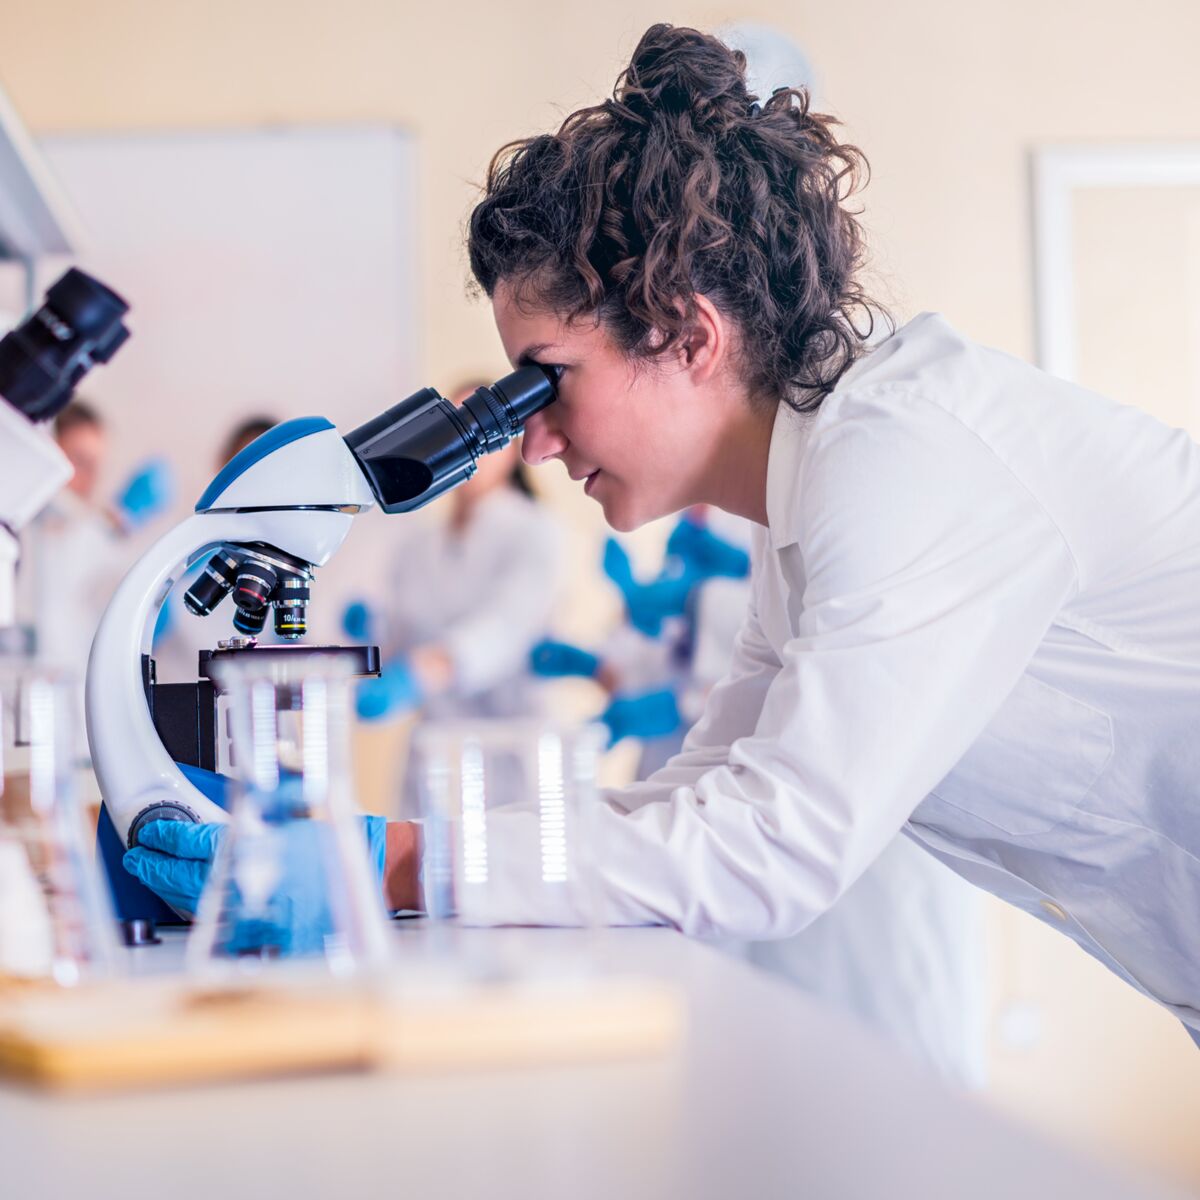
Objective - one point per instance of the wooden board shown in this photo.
(157, 1033)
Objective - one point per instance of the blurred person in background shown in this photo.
(78, 548)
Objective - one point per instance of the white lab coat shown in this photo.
(902, 950)
(487, 594)
(976, 619)
(72, 559)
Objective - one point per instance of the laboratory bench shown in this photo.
(768, 1094)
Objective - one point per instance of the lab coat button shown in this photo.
(1055, 910)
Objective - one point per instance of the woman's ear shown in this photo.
(703, 347)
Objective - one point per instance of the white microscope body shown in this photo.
(295, 490)
(32, 470)
(280, 507)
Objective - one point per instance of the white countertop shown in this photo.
(771, 1095)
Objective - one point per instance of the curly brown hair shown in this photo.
(680, 185)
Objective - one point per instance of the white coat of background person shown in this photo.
(903, 949)
(77, 549)
(470, 589)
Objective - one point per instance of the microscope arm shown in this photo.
(133, 768)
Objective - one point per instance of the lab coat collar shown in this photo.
(789, 436)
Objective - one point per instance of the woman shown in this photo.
(975, 607)
(976, 589)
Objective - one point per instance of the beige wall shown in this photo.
(946, 96)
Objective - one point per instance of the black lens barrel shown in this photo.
(424, 446)
(79, 324)
(213, 585)
(250, 622)
(291, 606)
(255, 583)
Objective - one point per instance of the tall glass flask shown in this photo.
(56, 921)
(508, 820)
(291, 878)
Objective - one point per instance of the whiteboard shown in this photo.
(269, 271)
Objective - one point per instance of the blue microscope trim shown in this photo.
(132, 900)
(267, 443)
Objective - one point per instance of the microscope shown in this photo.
(80, 324)
(273, 514)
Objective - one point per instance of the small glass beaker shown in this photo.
(508, 810)
(56, 919)
(291, 879)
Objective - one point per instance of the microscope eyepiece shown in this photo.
(424, 446)
(79, 325)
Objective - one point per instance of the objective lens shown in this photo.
(291, 607)
(255, 583)
(250, 623)
(215, 583)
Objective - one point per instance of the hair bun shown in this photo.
(678, 71)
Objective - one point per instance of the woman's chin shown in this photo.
(620, 515)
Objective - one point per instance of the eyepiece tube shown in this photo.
(424, 446)
(80, 324)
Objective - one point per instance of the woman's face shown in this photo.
(640, 436)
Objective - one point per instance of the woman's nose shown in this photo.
(543, 440)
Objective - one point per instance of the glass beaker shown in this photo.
(508, 811)
(56, 919)
(291, 878)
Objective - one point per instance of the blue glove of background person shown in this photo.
(165, 621)
(650, 715)
(647, 604)
(146, 493)
(705, 555)
(395, 692)
(358, 621)
(174, 859)
(556, 659)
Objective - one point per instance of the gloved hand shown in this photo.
(705, 555)
(648, 604)
(358, 621)
(146, 493)
(556, 659)
(174, 859)
(650, 715)
(396, 691)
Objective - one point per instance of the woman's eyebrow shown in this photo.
(530, 353)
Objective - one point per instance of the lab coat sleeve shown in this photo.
(931, 576)
(493, 643)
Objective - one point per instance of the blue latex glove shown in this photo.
(165, 620)
(650, 715)
(147, 492)
(358, 621)
(647, 604)
(174, 859)
(556, 659)
(704, 554)
(395, 692)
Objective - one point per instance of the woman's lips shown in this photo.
(589, 481)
